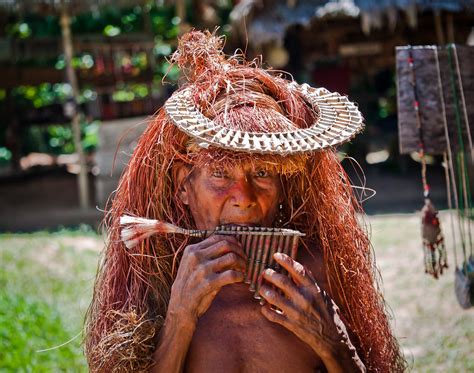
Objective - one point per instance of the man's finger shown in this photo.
(298, 272)
(211, 240)
(223, 246)
(275, 316)
(274, 298)
(227, 277)
(229, 260)
(285, 284)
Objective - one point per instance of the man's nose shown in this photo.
(244, 195)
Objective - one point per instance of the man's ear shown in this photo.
(180, 178)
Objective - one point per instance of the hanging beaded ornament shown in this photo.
(434, 251)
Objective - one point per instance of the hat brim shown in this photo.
(339, 120)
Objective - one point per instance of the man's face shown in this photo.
(244, 195)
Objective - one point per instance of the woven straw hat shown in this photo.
(338, 121)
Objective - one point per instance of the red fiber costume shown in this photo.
(240, 99)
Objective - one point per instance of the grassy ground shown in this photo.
(45, 287)
(46, 281)
(435, 333)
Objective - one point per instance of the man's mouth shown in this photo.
(241, 224)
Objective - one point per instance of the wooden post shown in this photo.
(439, 28)
(13, 134)
(450, 28)
(181, 13)
(82, 179)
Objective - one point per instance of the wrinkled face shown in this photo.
(246, 195)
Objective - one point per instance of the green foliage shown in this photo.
(5, 156)
(47, 94)
(20, 30)
(42, 95)
(112, 31)
(84, 61)
(164, 22)
(34, 25)
(108, 21)
(126, 93)
(90, 138)
(170, 72)
(58, 139)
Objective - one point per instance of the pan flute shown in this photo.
(258, 243)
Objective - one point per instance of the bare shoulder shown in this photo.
(311, 256)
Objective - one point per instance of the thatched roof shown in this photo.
(373, 11)
(266, 21)
(449, 5)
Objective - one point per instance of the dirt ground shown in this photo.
(45, 200)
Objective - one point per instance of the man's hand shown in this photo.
(309, 313)
(204, 269)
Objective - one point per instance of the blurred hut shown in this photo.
(15, 76)
(106, 68)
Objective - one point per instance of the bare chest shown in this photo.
(233, 336)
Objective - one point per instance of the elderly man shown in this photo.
(238, 145)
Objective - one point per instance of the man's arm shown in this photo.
(204, 269)
(173, 344)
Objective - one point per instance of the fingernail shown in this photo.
(278, 256)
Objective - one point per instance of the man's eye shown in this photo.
(220, 174)
(262, 173)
